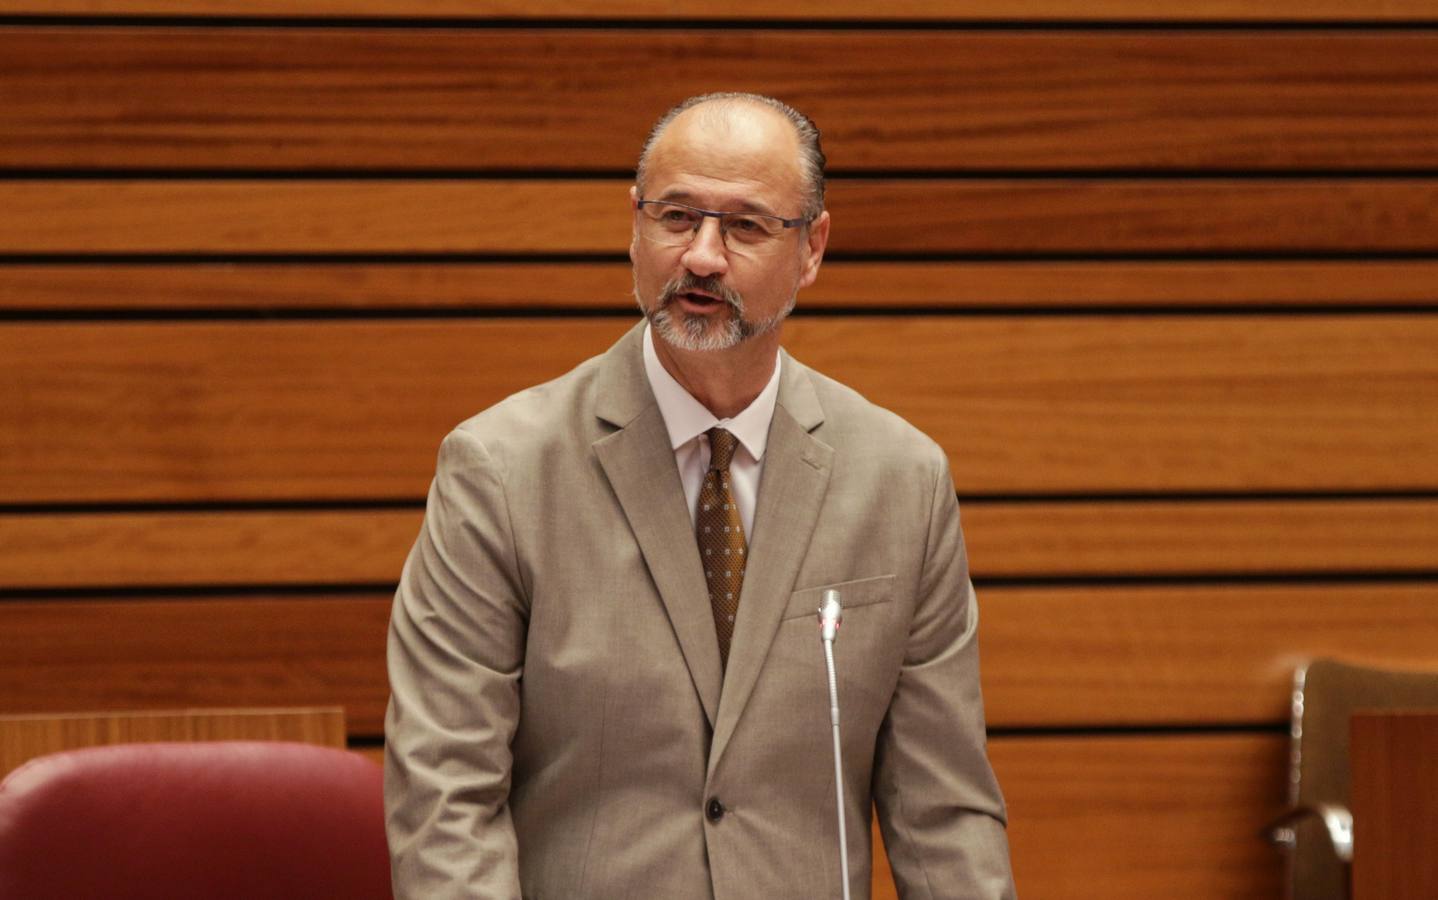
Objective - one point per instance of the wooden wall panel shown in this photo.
(811, 11)
(582, 99)
(205, 549)
(1137, 818)
(1121, 538)
(1074, 539)
(941, 216)
(1165, 293)
(1393, 794)
(900, 287)
(340, 410)
(210, 411)
(22, 738)
(217, 651)
(1076, 657)
(1181, 654)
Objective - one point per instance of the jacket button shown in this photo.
(714, 809)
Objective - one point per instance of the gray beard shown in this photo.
(698, 333)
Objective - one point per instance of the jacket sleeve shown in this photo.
(939, 805)
(456, 653)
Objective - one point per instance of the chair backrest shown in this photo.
(1326, 694)
(222, 821)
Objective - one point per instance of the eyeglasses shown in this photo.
(675, 225)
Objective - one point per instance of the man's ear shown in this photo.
(814, 249)
(634, 221)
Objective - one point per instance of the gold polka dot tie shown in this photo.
(721, 538)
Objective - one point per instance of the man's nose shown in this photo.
(706, 254)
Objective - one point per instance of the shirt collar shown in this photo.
(687, 418)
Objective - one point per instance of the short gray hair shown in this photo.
(811, 154)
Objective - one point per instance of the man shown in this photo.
(607, 677)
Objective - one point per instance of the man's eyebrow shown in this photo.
(686, 197)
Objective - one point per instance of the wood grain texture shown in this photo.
(1078, 657)
(166, 549)
(354, 410)
(1394, 799)
(946, 100)
(197, 549)
(1182, 654)
(901, 286)
(1200, 537)
(940, 216)
(218, 410)
(816, 11)
(160, 654)
(23, 738)
(1102, 818)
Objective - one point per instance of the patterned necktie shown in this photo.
(721, 538)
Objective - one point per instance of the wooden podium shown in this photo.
(1393, 758)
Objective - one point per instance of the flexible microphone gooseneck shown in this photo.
(831, 613)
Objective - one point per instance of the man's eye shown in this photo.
(678, 218)
(744, 225)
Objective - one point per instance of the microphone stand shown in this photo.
(831, 613)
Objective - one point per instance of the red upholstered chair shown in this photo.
(198, 821)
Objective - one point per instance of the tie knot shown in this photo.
(721, 448)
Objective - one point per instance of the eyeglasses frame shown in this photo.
(640, 203)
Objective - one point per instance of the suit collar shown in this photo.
(639, 463)
(791, 492)
(622, 391)
(797, 394)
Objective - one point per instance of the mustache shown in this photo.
(709, 284)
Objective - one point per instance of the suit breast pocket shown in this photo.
(867, 652)
(852, 596)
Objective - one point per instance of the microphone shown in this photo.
(831, 613)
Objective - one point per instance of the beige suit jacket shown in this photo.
(559, 724)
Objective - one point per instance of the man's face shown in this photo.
(704, 295)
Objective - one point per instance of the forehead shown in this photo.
(738, 152)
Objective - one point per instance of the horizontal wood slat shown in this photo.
(260, 287)
(59, 656)
(1183, 654)
(244, 410)
(187, 549)
(1229, 537)
(176, 411)
(22, 738)
(1135, 818)
(193, 98)
(1014, 540)
(1053, 656)
(940, 216)
(816, 11)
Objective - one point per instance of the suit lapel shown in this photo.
(791, 491)
(639, 464)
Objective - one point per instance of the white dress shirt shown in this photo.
(687, 419)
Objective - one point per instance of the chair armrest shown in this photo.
(1337, 823)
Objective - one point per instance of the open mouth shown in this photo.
(698, 300)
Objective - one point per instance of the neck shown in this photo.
(725, 381)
